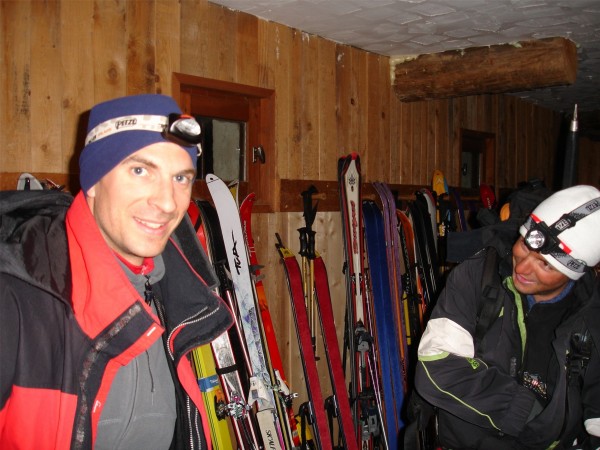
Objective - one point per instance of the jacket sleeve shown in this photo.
(9, 326)
(591, 386)
(448, 374)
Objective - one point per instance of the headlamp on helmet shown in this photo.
(535, 239)
(544, 238)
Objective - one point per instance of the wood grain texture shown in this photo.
(46, 143)
(140, 69)
(487, 70)
(16, 91)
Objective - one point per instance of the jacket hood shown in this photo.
(27, 219)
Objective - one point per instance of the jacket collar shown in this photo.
(101, 291)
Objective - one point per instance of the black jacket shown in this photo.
(481, 401)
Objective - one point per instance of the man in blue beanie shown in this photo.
(104, 295)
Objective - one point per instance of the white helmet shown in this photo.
(565, 230)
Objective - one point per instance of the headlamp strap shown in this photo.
(567, 220)
(127, 123)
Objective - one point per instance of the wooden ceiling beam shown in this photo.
(494, 69)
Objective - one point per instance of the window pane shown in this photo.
(223, 148)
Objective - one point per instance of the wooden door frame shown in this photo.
(222, 99)
(485, 144)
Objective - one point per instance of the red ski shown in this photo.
(268, 329)
(309, 364)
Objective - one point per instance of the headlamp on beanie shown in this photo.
(120, 127)
(180, 129)
(565, 245)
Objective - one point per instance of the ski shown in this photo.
(204, 367)
(358, 340)
(427, 197)
(309, 364)
(440, 187)
(444, 218)
(460, 210)
(393, 380)
(229, 371)
(338, 404)
(261, 380)
(424, 239)
(340, 399)
(411, 282)
(350, 197)
(269, 331)
(389, 229)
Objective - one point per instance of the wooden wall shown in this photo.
(60, 57)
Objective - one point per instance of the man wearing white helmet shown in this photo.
(515, 364)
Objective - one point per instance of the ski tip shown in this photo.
(249, 200)
(28, 182)
(488, 198)
(352, 156)
(210, 177)
(438, 182)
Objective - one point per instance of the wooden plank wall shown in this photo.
(60, 57)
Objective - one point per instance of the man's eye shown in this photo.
(183, 179)
(138, 171)
(549, 267)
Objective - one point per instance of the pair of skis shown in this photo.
(267, 389)
(274, 356)
(364, 388)
(231, 374)
(304, 287)
(388, 337)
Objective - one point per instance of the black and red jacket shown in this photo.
(70, 318)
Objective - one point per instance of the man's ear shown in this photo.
(91, 192)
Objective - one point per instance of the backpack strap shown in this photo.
(491, 293)
(578, 357)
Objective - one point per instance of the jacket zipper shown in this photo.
(150, 297)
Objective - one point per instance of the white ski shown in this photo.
(237, 257)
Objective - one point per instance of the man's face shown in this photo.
(533, 275)
(139, 203)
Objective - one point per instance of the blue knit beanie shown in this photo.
(102, 153)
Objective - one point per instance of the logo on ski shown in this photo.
(238, 263)
(352, 181)
(354, 228)
(271, 442)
